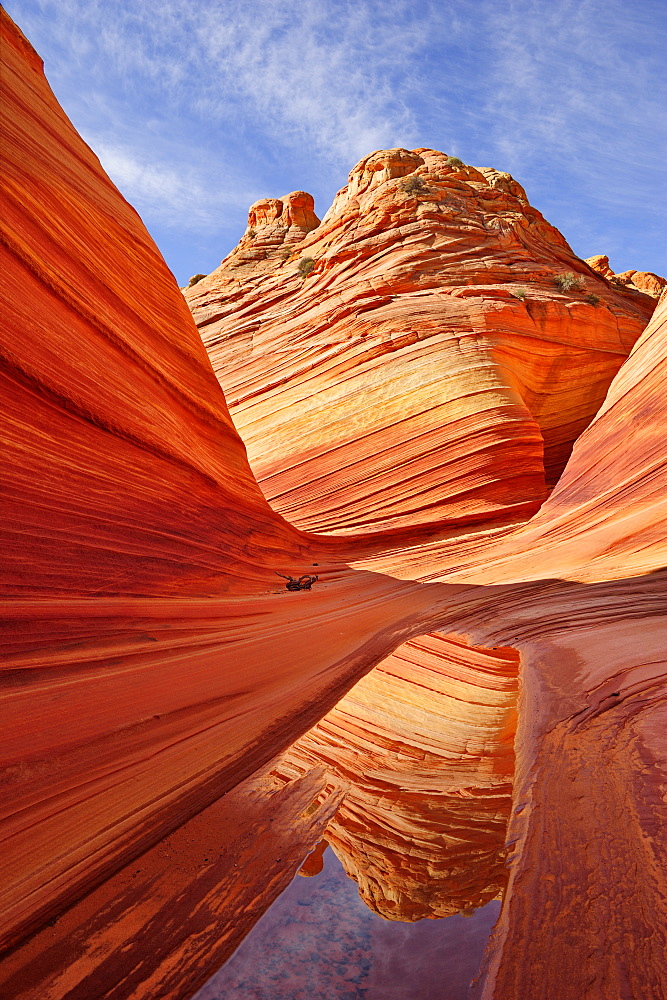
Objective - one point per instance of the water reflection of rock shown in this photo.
(319, 942)
(152, 662)
(424, 744)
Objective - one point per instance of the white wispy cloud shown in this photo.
(322, 72)
(197, 107)
(329, 77)
(577, 79)
(177, 91)
(172, 192)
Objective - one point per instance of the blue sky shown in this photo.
(199, 107)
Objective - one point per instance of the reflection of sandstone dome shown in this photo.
(178, 730)
(433, 394)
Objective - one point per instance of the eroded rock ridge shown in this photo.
(178, 730)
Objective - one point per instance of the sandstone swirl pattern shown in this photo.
(427, 369)
(422, 749)
(411, 361)
(154, 670)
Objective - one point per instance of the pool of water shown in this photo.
(319, 941)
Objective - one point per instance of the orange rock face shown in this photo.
(137, 547)
(427, 369)
(641, 281)
(423, 749)
(193, 896)
(413, 409)
(122, 375)
(408, 364)
(403, 801)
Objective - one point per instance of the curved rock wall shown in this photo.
(428, 367)
(137, 550)
(152, 660)
(122, 463)
(448, 245)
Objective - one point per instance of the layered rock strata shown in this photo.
(435, 366)
(193, 896)
(428, 368)
(423, 747)
(138, 553)
(152, 661)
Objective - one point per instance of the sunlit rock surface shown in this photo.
(595, 717)
(641, 281)
(388, 832)
(153, 661)
(164, 922)
(454, 332)
(139, 551)
(428, 368)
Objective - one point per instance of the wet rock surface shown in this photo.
(153, 663)
(320, 941)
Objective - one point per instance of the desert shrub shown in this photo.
(252, 233)
(519, 293)
(194, 279)
(305, 266)
(593, 299)
(413, 185)
(453, 161)
(566, 281)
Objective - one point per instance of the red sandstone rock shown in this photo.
(119, 376)
(423, 748)
(593, 734)
(600, 263)
(642, 281)
(139, 551)
(152, 664)
(416, 392)
(427, 369)
(375, 832)
(217, 873)
(275, 226)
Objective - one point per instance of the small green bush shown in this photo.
(305, 266)
(453, 161)
(194, 279)
(566, 281)
(519, 293)
(413, 185)
(593, 299)
(252, 233)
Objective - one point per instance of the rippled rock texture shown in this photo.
(178, 730)
(423, 746)
(427, 354)
(131, 519)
